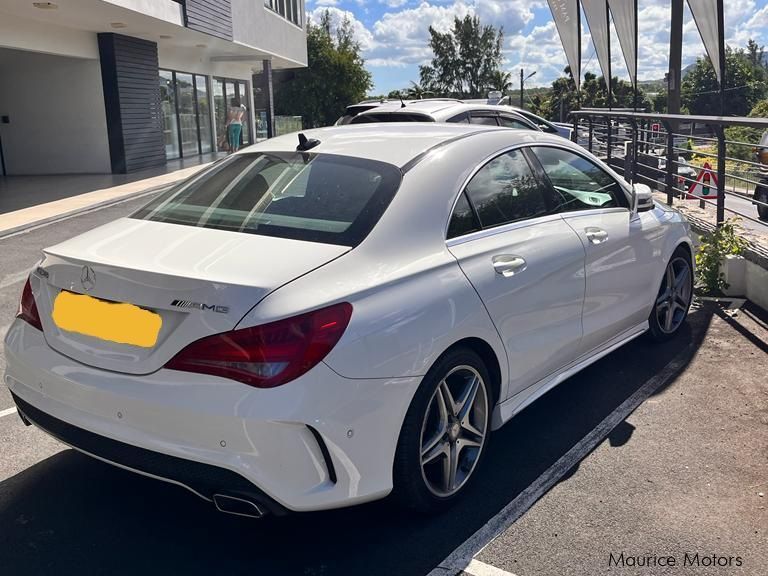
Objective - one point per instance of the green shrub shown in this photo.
(712, 251)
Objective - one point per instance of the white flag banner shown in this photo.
(566, 16)
(596, 12)
(624, 17)
(705, 15)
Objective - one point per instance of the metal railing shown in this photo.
(670, 153)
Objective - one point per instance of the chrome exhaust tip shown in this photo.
(237, 506)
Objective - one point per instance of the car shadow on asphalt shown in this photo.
(70, 514)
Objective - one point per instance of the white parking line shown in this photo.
(463, 556)
(477, 568)
(7, 411)
(11, 279)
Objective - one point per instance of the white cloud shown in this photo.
(398, 38)
(361, 33)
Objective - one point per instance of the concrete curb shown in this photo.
(84, 209)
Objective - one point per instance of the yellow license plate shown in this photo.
(114, 322)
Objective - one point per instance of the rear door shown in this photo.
(623, 264)
(526, 264)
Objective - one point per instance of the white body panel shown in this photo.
(537, 310)
(412, 295)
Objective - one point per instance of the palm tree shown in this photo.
(501, 81)
(416, 91)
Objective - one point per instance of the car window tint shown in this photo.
(485, 120)
(580, 184)
(505, 190)
(463, 219)
(304, 196)
(508, 122)
(463, 118)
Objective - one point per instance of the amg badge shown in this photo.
(200, 306)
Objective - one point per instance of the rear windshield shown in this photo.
(391, 117)
(315, 197)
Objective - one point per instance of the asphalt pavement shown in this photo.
(64, 513)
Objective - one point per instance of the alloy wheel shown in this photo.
(454, 430)
(674, 295)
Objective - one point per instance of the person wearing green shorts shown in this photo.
(235, 119)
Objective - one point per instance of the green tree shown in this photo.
(416, 91)
(464, 58)
(742, 139)
(501, 81)
(563, 99)
(700, 91)
(334, 78)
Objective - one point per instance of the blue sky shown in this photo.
(394, 35)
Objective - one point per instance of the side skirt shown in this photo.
(511, 406)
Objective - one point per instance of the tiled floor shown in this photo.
(19, 192)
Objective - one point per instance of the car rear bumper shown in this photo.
(321, 441)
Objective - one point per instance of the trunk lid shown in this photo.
(200, 281)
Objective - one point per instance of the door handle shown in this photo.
(508, 264)
(596, 235)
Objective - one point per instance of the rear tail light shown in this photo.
(28, 308)
(268, 355)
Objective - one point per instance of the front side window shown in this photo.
(314, 197)
(505, 190)
(580, 183)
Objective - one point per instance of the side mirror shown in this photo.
(642, 198)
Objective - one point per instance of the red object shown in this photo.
(268, 355)
(706, 181)
(655, 128)
(28, 308)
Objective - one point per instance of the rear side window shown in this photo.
(462, 118)
(315, 197)
(508, 122)
(505, 190)
(580, 183)
(463, 219)
(485, 120)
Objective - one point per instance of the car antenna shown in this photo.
(306, 143)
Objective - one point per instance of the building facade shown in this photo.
(100, 86)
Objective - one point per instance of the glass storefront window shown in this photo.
(220, 106)
(187, 114)
(168, 106)
(242, 94)
(203, 114)
(224, 92)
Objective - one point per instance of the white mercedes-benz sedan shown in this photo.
(324, 319)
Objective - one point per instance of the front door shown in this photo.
(525, 262)
(622, 250)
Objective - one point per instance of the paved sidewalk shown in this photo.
(74, 193)
(685, 474)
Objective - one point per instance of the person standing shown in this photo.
(235, 119)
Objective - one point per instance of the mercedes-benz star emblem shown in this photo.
(87, 278)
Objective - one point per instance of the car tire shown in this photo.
(670, 308)
(436, 457)
(761, 195)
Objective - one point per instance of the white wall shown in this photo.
(255, 25)
(26, 34)
(56, 108)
